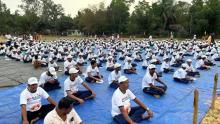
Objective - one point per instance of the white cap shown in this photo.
(203, 56)
(151, 66)
(32, 80)
(52, 71)
(110, 57)
(117, 65)
(184, 65)
(50, 59)
(73, 71)
(69, 56)
(122, 79)
(129, 58)
(189, 60)
(165, 58)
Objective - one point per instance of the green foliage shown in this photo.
(158, 18)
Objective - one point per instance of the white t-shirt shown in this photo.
(93, 71)
(145, 63)
(199, 63)
(72, 86)
(165, 65)
(69, 64)
(119, 99)
(148, 79)
(113, 76)
(44, 78)
(33, 100)
(180, 73)
(190, 68)
(127, 65)
(53, 118)
(52, 65)
(109, 64)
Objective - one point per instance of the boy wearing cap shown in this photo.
(180, 75)
(30, 101)
(122, 112)
(71, 88)
(92, 73)
(148, 84)
(113, 77)
(64, 113)
(48, 80)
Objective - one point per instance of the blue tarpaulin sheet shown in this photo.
(176, 106)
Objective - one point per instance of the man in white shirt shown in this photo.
(51, 63)
(200, 64)
(48, 80)
(180, 75)
(110, 64)
(113, 77)
(190, 70)
(128, 68)
(165, 67)
(30, 101)
(64, 113)
(148, 83)
(70, 63)
(122, 112)
(92, 73)
(71, 88)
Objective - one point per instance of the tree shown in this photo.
(117, 16)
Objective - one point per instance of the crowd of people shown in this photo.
(119, 57)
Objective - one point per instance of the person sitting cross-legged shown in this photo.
(180, 75)
(48, 80)
(128, 68)
(30, 101)
(71, 88)
(148, 84)
(114, 75)
(92, 73)
(122, 112)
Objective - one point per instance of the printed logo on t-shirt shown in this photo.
(125, 98)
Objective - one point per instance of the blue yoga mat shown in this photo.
(176, 106)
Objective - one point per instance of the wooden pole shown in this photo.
(195, 105)
(214, 91)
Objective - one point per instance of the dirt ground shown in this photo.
(13, 73)
(213, 116)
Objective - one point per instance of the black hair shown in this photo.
(65, 102)
(93, 62)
